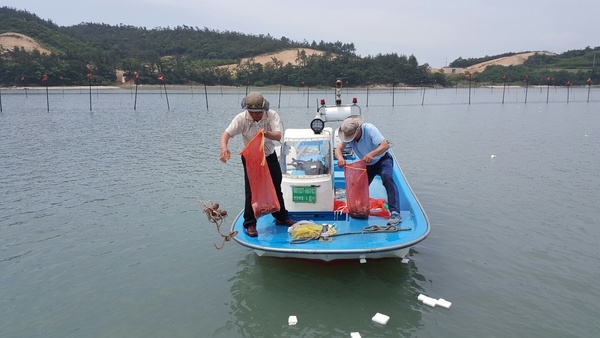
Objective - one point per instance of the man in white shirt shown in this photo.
(257, 117)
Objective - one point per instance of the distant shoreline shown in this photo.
(254, 88)
(200, 87)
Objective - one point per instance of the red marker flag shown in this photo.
(504, 77)
(89, 75)
(161, 78)
(45, 78)
(548, 79)
(22, 78)
(526, 76)
(589, 80)
(469, 76)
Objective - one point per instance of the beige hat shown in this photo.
(255, 102)
(350, 128)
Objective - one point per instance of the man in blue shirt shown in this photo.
(370, 146)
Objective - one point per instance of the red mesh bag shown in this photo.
(378, 208)
(264, 198)
(357, 189)
(340, 206)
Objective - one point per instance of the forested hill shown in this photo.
(94, 52)
(127, 41)
(102, 48)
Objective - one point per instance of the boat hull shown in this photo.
(328, 257)
(354, 238)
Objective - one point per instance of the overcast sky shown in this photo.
(434, 31)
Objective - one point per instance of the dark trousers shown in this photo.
(384, 168)
(276, 177)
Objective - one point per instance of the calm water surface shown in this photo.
(102, 234)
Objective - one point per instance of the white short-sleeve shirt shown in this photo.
(244, 124)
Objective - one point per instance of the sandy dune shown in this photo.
(514, 60)
(9, 40)
(285, 57)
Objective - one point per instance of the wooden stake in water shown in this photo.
(393, 91)
(137, 77)
(368, 93)
(526, 86)
(469, 78)
(25, 85)
(568, 87)
(0, 99)
(307, 95)
(589, 82)
(161, 79)
(279, 99)
(205, 94)
(503, 87)
(548, 89)
(45, 80)
(89, 76)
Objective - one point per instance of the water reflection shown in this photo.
(330, 300)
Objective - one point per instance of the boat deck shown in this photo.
(350, 239)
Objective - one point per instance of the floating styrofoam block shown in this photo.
(421, 297)
(405, 260)
(354, 334)
(292, 320)
(430, 301)
(493, 156)
(380, 318)
(363, 261)
(443, 303)
(424, 298)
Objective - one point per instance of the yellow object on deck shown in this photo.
(308, 230)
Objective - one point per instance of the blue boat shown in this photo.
(313, 187)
